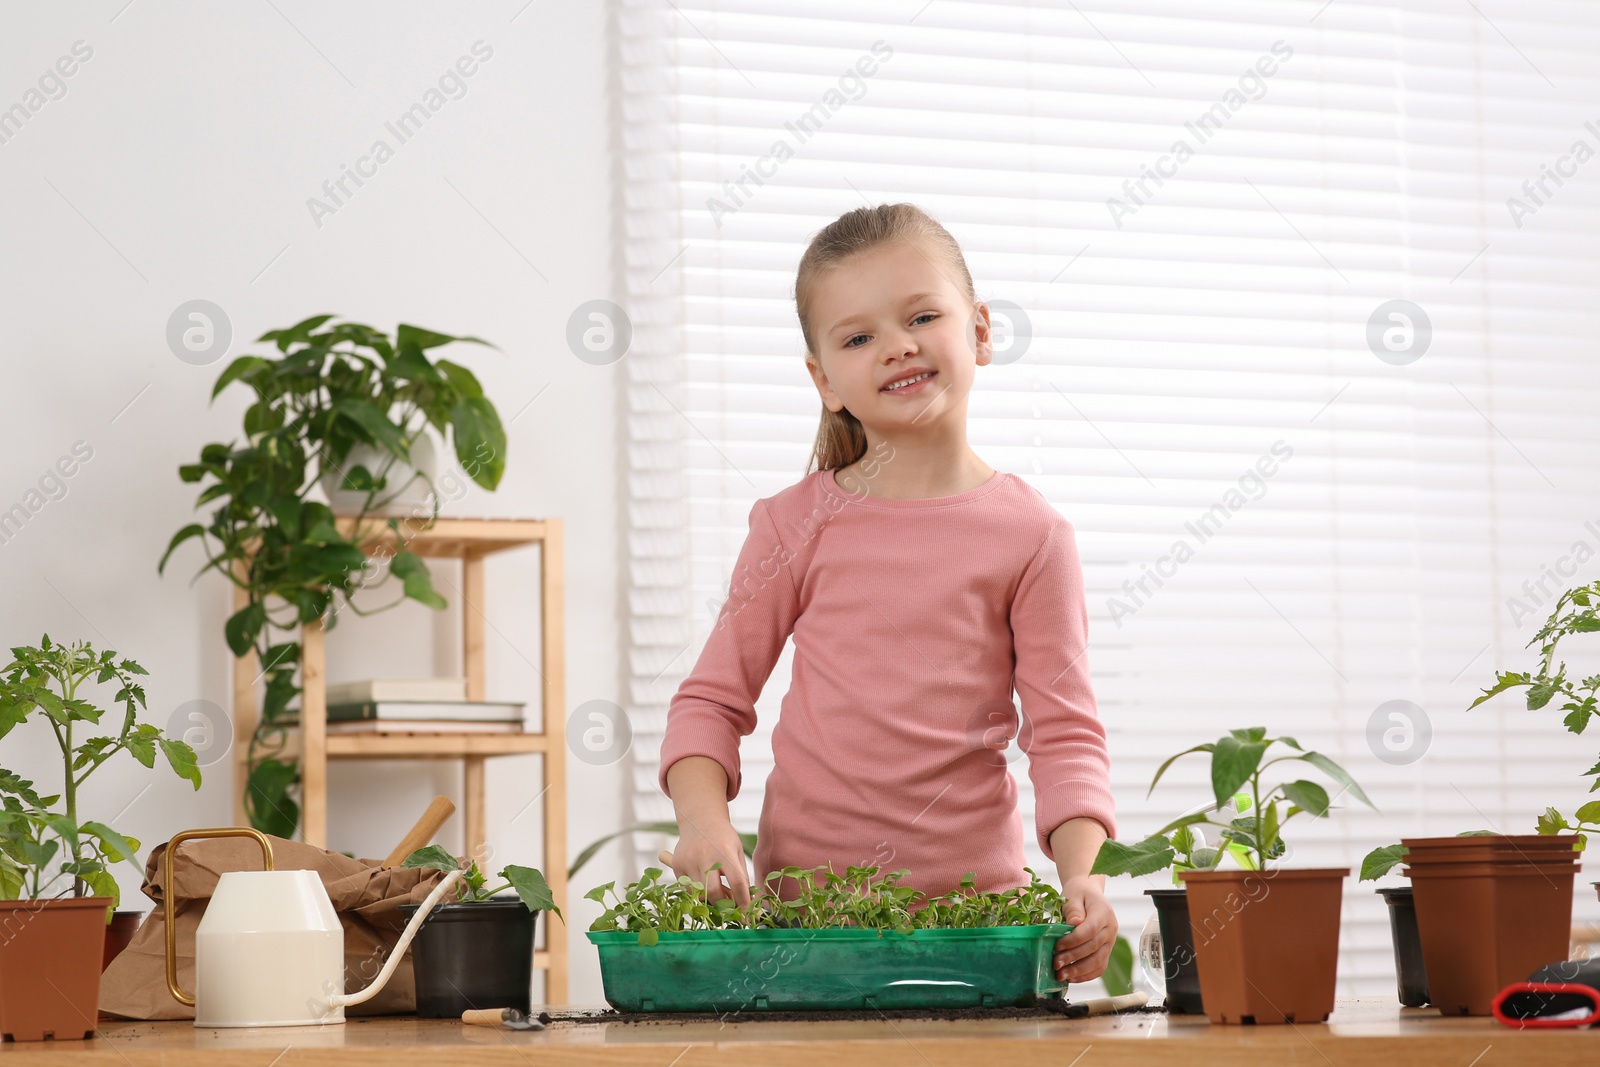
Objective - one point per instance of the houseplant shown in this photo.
(478, 951)
(1266, 938)
(335, 396)
(52, 944)
(855, 940)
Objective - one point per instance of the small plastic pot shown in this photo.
(1177, 951)
(1411, 974)
(124, 924)
(1484, 926)
(473, 956)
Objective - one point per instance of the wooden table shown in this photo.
(1369, 1033)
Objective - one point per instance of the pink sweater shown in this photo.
(912, 621)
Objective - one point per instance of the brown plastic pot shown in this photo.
(124, 924)
(1484, 926)
(1535, 847)
(50, 952)
(1267, 942)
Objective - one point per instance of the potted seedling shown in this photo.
(478, 951)
(57, 892)
(1181, 847)
(1266, 938)
(849, 941)
(343, 410)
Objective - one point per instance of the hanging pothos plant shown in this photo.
(329, 389)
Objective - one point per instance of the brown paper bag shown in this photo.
(364, 894)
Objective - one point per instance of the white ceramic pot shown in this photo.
(407, 486)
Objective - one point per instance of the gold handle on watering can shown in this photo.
(166, 884)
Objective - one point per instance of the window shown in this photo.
(1306, 288)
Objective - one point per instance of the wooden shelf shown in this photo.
(432, 746)
(470, 541)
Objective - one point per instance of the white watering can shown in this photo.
(269, 950)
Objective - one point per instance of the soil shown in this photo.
(611, 1015)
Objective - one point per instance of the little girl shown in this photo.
(920, 587)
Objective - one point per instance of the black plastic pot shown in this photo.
(1411, 975)
(473, 956)
(1177, 951)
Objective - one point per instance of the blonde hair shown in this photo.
(840, 437)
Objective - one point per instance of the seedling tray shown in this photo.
(828, 969)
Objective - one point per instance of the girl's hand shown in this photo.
(707, 841)
(1082, 955)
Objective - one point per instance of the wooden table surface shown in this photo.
(1368, 1033)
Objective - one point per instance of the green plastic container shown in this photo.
(798, 969)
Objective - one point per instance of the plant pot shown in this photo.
(1267, 942)
(123, 926)
(1411, 976)
(50, 952)
(1177, 951)
(473, 956)
(407, 486)
(834, 968)
(1522, 848)
(1486, 925)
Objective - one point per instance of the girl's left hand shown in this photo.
(1082, 955)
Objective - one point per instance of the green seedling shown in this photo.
(37, 832)
(528, 882)
(1253, 834)
(1584, 617)
(856, 899)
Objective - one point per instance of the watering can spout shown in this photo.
(342, 1000)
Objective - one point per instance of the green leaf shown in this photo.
(243, 626)
(1232, 763)
(1163, 768)
(1552, 822)
(1307, 796)
(1540, 694)
(432, 856)
(410, 569)
(1118, 976)
(16, 785)
(182, 760)
(117, 848)
(239, 368)
(1253, 734)
(532, 888)
(271, 809)
(375, 424)
(1589, 813)
(1145, 857)
(463, 380)
(1578, 719)
(1338, 774)
(417, 337)
(1506, 680)
(480, 440)
(1380, 861)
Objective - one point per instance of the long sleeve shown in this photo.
(715, 704)
(1067, 756)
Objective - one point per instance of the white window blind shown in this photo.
(1179, 315)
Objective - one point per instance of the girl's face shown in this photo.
(886, 314)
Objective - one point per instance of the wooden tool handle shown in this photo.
(420, 834)
(666, 857)
(484, 1016)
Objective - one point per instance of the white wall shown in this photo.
(177, 165)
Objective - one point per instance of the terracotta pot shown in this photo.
(50, 952)
(1267, 942)
(1486, 925)
(123, 926)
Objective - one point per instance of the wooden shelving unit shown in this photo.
(470, 541)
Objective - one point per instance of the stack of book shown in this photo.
(417, 706)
